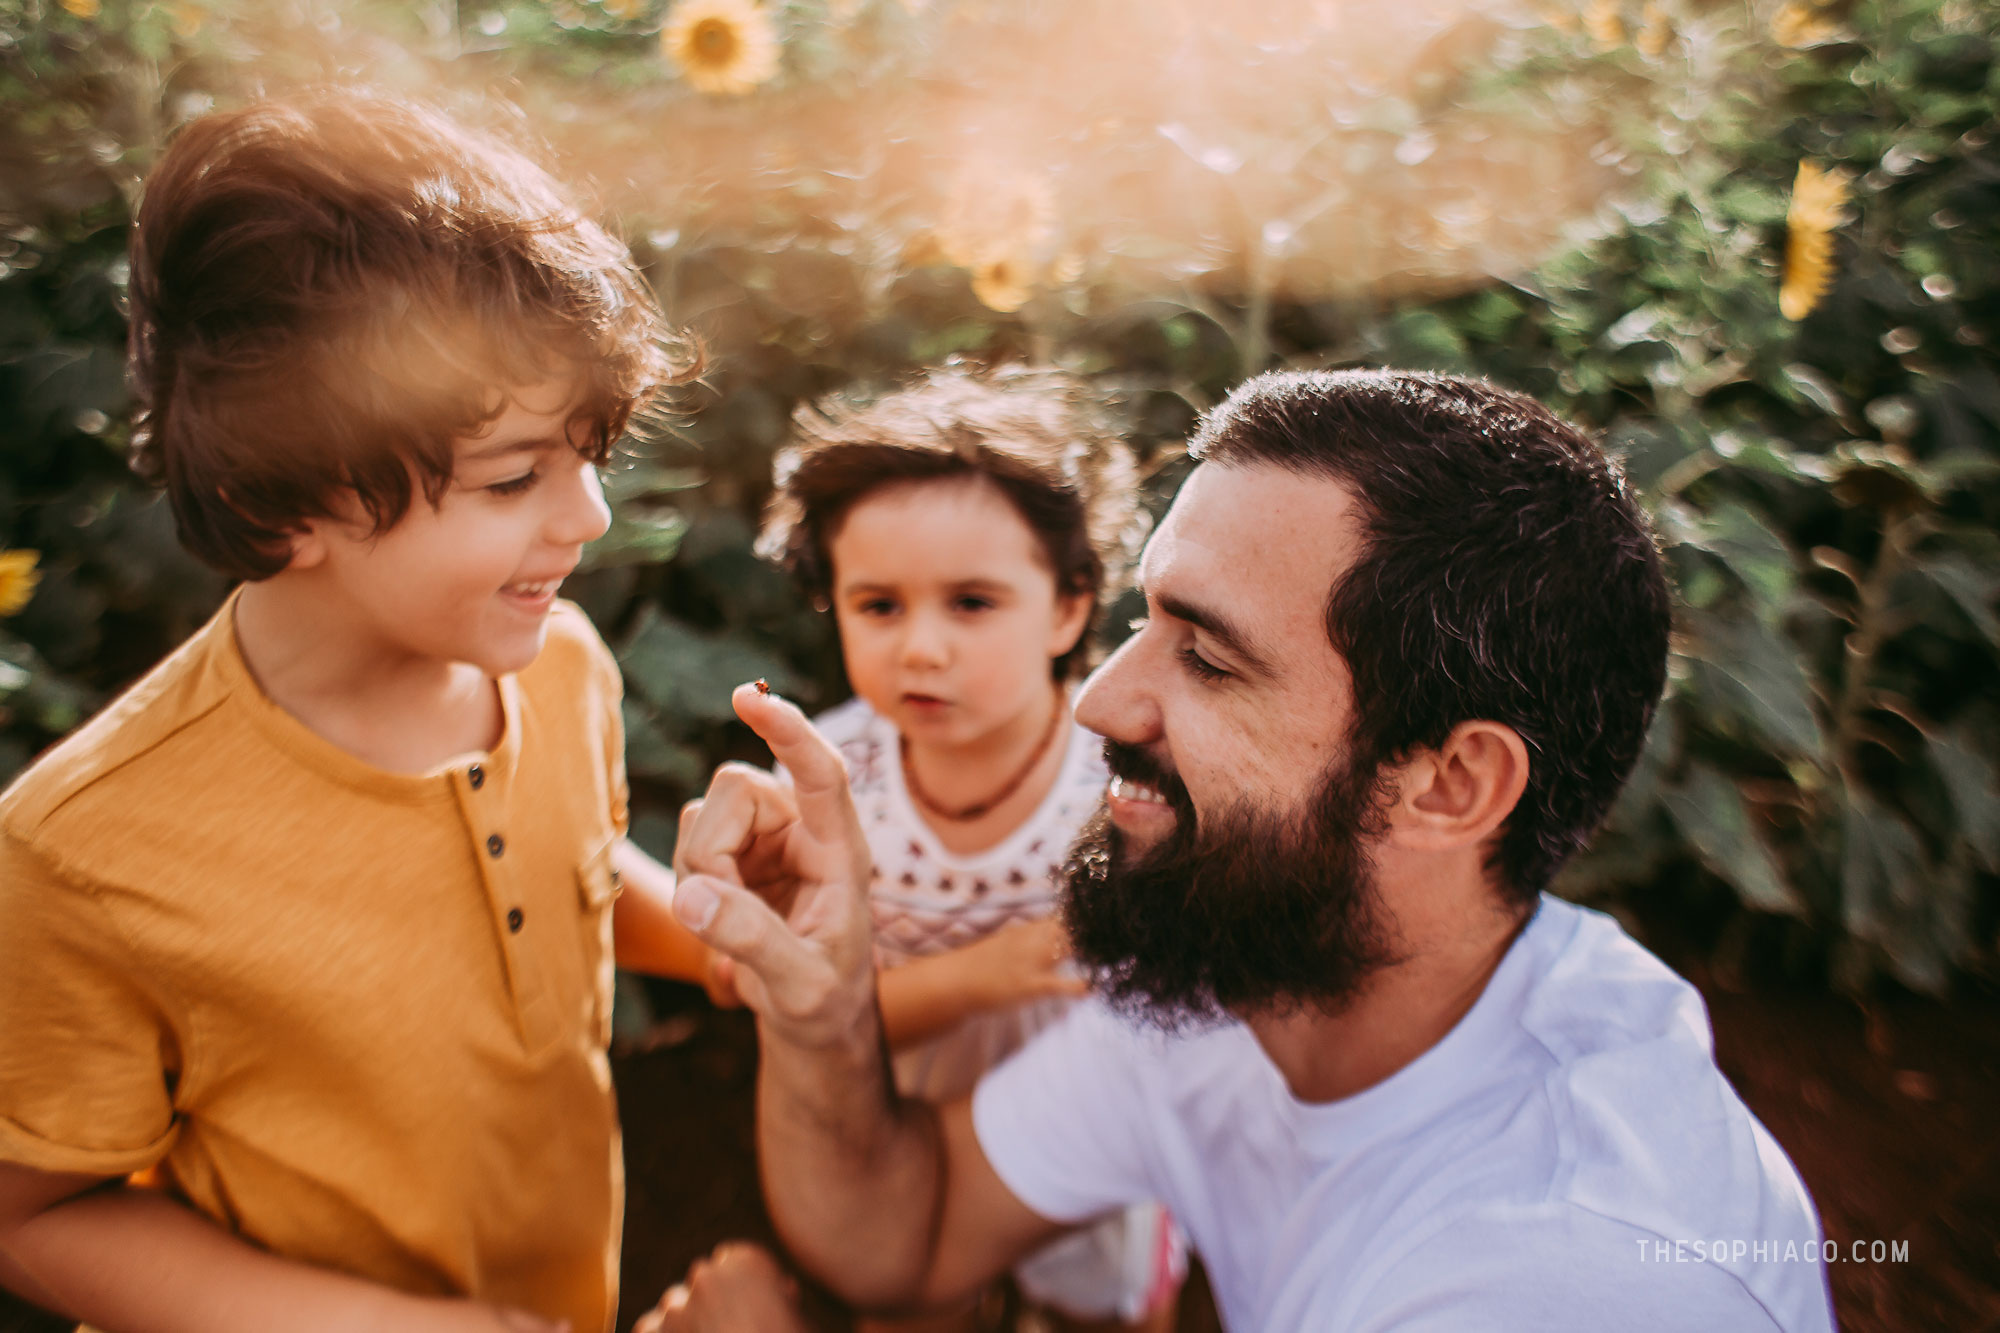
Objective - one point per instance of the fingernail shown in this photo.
(695, 904)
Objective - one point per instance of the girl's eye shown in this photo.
(974, 604)
(514, 485)
(1200, 667)
(880, 606)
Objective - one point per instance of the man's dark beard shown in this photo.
(1252, 912)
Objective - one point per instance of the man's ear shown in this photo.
(1460, 793)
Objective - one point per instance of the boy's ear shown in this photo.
(1072, 619)
(307, 544)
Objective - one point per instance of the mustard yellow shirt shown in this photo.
(357, 1017)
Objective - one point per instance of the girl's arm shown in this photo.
(927, 997)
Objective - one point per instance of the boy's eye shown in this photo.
(514, 485)
(1200, 667)
(974, 604)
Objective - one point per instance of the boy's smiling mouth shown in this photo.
(537, 595)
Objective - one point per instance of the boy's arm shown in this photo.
(1017, 964)
(134, 1261)
(647, 936)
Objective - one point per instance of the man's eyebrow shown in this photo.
(1218, 627)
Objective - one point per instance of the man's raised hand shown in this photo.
(751, 842)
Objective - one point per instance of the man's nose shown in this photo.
(580, 514)
(1114, 701)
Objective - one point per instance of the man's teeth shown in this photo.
(1127, 790)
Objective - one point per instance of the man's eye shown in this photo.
(514, 485)
(1200, 667)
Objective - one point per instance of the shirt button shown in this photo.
(495, 845)
(476, 776)
(514, 919)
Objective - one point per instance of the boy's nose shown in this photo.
(581, 514)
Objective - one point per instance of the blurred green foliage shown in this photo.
(1821, 783)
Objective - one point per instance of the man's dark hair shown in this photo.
(1508, 575)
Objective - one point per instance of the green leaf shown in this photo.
(641, 478)
(687, 673)
(1970, 587)
(637, 537)
(1753, 552)
(1974, 785)
(1718, 824)
(649, 753)
(1749, 668)
(1881, 867)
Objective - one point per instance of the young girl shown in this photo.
(959, 531)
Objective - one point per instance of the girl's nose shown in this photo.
(926, 643)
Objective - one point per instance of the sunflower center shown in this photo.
(713, 41)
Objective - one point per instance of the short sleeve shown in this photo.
(1546, 1269)
(85, 1053)
(616, 782)
(1065, 1121)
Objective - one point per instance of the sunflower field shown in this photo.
(1752, 244)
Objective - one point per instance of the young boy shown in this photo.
(313, 925)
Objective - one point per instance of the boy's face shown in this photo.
(472, 579)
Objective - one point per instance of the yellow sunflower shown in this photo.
(186, 18)
(17, 579)
(84, 9)
(1003, 283)
(724, 47)
(1797, 24)
(1657, 34)
(1604, 24)
(1819, 205)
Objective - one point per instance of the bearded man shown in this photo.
(1405, 637)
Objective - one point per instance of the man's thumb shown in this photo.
(740, 925)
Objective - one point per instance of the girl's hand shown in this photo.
(1020, 962)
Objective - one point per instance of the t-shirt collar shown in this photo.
(1478, 1043)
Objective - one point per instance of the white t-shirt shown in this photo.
(1550, 1165)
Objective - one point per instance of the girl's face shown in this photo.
(948, 610)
